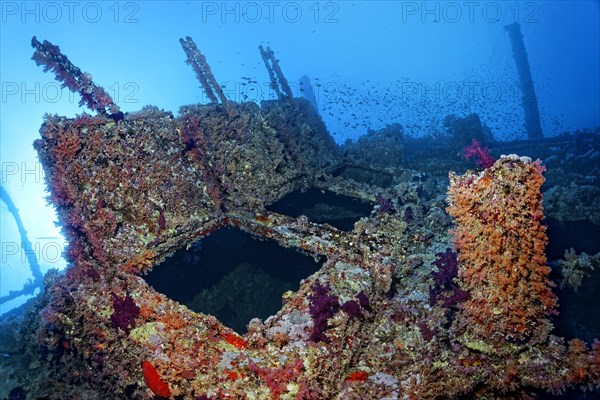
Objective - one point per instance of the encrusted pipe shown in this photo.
(203, 72)
(278, 81)
(530, 103)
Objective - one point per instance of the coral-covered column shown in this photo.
(530, 104)
(92, 95)
(500, 240)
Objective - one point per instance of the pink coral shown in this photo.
(481, 154)
(277, 379)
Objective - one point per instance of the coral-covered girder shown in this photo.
(198, 62)
(92, 95)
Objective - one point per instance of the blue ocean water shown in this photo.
(369, 64)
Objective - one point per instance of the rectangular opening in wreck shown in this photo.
(322, 206)
(233, 276)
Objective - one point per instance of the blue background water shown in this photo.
(371, 64)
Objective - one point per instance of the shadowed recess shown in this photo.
(322, 206)
(579, 235)
(579, 315)
(233, 276)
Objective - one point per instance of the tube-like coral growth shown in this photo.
(501, 240)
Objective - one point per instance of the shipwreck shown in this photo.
(399, 308)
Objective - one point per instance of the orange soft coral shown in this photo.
(501, 239)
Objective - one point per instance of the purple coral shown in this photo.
(385, 204)
(125, 312)
(444, 288)
(323, 305)
(447, 264)
(456, 295)
(352, 308)
(363, 300)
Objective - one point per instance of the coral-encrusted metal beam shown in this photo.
(533, 125)
(92, 95)
(278, 81)
(203, 72)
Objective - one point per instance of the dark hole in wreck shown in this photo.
(232, 275)
(579, 315)
(323, 206)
